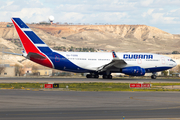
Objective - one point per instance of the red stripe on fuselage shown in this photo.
(30, 47)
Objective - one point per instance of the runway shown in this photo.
(82, 80)
(65, 105)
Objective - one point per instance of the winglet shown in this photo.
(114, 54)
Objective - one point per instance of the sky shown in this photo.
(163, 14)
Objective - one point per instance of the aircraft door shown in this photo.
(163, 60)
(57, 58)
(139, 61)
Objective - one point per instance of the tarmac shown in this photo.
(65, 105)
(77, 105)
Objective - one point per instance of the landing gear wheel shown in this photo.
(96, 76)
(107, 76)
(92, 76)
(88, 76)
(153, 76)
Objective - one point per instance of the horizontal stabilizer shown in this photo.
(35, 55)
(12, 53)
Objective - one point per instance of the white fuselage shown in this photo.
(91, 61)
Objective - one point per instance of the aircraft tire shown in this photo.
(88, 76)
(105, 76)
(109, 76)
(96, 76)
(92, 76)
(153, 76)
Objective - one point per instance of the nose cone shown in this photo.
(175, 64)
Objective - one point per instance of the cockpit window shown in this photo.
(172, 60)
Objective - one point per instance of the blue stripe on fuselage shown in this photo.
(62, 63)
(156, 69)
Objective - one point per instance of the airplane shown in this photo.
(94, 63)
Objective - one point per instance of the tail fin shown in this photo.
(32, 43)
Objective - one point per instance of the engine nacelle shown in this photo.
(134, 71)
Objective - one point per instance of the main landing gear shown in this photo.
(97, 76)
(153, 76)
(107, 76)
(92, 76)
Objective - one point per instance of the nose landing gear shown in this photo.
(153, 76)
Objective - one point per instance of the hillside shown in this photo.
(121, 38)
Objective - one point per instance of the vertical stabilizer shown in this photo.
(32, 43)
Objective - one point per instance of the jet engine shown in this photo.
(134, 71)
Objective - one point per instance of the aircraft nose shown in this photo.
(175, 64)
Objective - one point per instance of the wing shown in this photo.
(115, 63)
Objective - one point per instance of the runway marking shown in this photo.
(133, 98)
(139, 99)
(62, 113)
